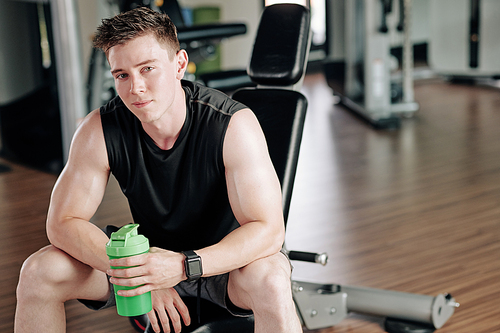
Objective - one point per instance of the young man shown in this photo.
(195, 169)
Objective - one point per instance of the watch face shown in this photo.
(194, 267)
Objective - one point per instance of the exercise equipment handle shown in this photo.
(474, 32)
(320, 258)
(386, 9)
(401, 22)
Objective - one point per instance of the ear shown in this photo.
(181, 59)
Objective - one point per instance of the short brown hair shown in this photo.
(135, 23)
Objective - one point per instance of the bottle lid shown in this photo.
(127, 242)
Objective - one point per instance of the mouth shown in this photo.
(141, 104)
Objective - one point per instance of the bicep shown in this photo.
(81, 185)
(253, 186)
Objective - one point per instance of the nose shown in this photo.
(137, 85)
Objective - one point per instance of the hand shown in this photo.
(168, 301)
(158, 269)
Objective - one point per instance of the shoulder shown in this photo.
(244, 119)
(90, 125)
(245, 140)
(88, 141)
(202, 96)
(244, 126)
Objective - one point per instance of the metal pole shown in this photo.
(70, 76)
(408, 95)
(406, 306)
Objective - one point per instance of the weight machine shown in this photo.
(363, 82)
(466, 48)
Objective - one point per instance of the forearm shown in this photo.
(81, 239)
(251, 241)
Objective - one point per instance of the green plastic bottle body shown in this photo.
(126, 242)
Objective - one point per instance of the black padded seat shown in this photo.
(281, 46)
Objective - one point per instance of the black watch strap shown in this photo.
(192, 265)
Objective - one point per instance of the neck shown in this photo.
(166, 130)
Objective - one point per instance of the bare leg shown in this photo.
(264, 286)
(49, 278)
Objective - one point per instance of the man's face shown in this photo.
(145, 77)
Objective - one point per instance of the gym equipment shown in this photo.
(323, 305)
(278, 65)
(464, 41)
(363, 82)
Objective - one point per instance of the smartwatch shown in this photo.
(192, 265)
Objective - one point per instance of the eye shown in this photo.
(147, 69)
(121, 76)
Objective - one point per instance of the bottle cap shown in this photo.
(127, 242)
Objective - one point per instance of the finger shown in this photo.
(180, 307)
(174, 318)
(134, 292)
(183, 310)
(127, 272)
(164, 320)
(139, 259)
(153, 321)
(130, 282)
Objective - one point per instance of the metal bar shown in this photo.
(70, 76)
(406, 306)
(474, 33)
(407, 66)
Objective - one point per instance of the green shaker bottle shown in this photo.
(126, 242)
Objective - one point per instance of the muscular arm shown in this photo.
(77, 194)
(255, 196)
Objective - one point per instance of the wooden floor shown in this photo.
(414, 210)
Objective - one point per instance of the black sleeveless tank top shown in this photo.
(178, 196)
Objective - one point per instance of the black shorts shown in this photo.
(213, 289)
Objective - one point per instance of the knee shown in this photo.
(264, 286)
(42, 271)
(268, 278)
